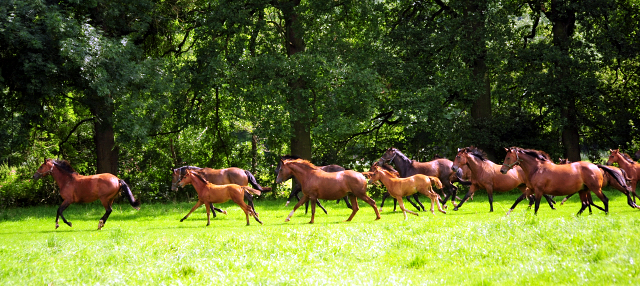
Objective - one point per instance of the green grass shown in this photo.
(470, 246)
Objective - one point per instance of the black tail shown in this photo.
(459, 177)
(617, 175)
(254, 183)
(126, 192)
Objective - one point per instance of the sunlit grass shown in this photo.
(471, 246)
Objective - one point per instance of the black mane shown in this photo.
(200, 177)
(540, 155)
(183, 169)
(475, 151)
(64, 165)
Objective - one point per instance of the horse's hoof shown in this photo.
(286, 220)
(286, 204)
(311, 222)
(57, 226)
(455, 209)
(100, 224)
(69, 223)
(181, 220)
(225, 212)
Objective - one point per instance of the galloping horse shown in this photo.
(631, 167)
(209, 193)
(297, 188)
(396, 174)
(608, 179)
(440, 168)
(402, 187)
(485, 175)
(318, 184)
(545, 177)
(220, 177)
(75, 188)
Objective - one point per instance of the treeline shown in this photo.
(137, 87)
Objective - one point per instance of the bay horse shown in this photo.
(545, 177)
(76, 188)
(440, 168)
(297, 188)
(628, 165)
(209, 193)
(226, 176)
(485, 175)
(318, 184)
(609, 180)
(402, 187)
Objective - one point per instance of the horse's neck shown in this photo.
(624, 164)
(62, 177)
(300, 172)
(403, 163)
(476, 165)
(197, 183)
(387, 181)
(530, 166)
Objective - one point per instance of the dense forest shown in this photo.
(138, 87)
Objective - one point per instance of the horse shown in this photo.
(628, 165)
(609, 180)
(542, 176)
(440, 168)
(76, 188)
(318, 184)
(209, 193)
(402, 187)
(297, 188)
(485, 175)
(231, 175)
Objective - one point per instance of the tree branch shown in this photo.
(70, 133)
(385, 119)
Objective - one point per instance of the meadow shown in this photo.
(469, 247)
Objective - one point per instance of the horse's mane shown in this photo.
(303, 162)
(475, 151)
(540, 155)
(64, 165)
(389, 169)
(184, 169)
(200, 177)
(627, 157)
(400, 154)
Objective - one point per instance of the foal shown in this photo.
(209, 193)
(402, 187)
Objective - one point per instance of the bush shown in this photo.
(17, 188)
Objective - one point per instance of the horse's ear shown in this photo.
(507, 149)
(459, 149)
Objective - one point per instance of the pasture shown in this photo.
(469, 247)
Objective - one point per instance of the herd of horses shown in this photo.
(531, 171)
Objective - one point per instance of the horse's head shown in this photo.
(388, 155)
(45, 169)
(186, 179)
(176, 176)
(283, 171)
(460, 160)
(375, 174)
(614, 156)
(510, 160)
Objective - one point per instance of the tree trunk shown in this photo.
(563, 18)
(481, 108)
(103, 137)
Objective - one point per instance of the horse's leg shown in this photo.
(249, 198)
(490, 195)
(304, 199)
(384, 197)
(198, 204)
(294, 193)
(346, 201)
(472, 190)
(320, 205)
(435, 197)
(604, 200)
(550, 201)
(313, 201)
(108, 210)
(584, 201)
(61, 209)
(518, 200)
(213, 210)
(538, 197)
(354, 206)
(417, 197)
(412, 203)
(208, 210)
(566, 198)
(404, 210)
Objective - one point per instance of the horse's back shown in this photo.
(93, 187)
(226, 176)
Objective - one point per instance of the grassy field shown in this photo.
(470, 246)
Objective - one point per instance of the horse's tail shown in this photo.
(435, 182)
(620, 178)
(251, 190)
(626, 177)
(254, 183)
(459, 175)
(126, 192)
